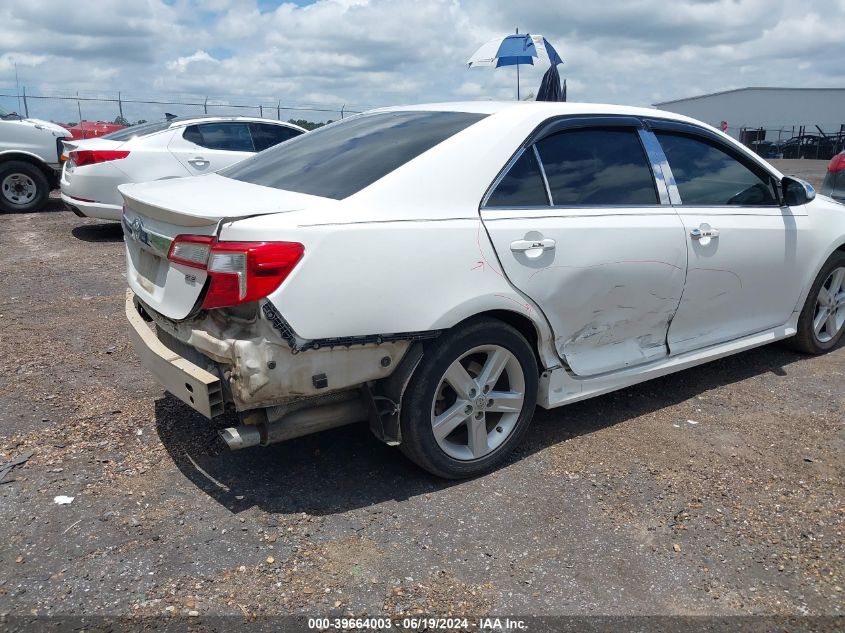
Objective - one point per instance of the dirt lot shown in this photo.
(715, 491)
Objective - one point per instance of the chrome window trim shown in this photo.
(543, 174)
(500, 213)
(730, 207)
(667, 190)
(564, 207)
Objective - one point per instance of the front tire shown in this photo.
(23, 187)
(822, 321)
(470, 400)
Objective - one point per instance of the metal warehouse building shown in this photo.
(769, 114)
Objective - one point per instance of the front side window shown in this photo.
(228, 136)
(597, 167)
(522, 186)
(707, 175)
(339, 160)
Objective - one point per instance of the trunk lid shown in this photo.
(155, 213)
(91, 143)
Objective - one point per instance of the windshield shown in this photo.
(341, 159)
(138, 130)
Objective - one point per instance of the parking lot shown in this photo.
(718, 490)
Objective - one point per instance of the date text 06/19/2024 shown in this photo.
(418, 623)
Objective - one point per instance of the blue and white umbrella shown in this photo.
(513, 50)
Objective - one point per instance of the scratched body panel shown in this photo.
(610, 287)
(746, 280)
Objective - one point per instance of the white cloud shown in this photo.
(379, 52)
(181, 64)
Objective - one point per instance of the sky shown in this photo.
(360, 54)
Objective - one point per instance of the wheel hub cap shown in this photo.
(829, 316)
(18, 189)
(478, 402)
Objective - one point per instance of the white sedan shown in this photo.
(441, 270)
(152, 151)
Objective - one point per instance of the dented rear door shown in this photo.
(606, 260)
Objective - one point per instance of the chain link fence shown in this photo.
(789, 141)
(794, 141)
(128, 109)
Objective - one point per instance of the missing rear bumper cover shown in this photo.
(298, 344)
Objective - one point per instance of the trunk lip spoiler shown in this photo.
(158, 243)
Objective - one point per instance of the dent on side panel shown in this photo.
(609, 288)
(627, 306)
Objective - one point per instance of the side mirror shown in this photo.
(796, 191)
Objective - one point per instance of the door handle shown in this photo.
(704, 231)
(546, 244)
(198, 161)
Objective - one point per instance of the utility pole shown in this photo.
(18, 86)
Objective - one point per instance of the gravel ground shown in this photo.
(718, 490)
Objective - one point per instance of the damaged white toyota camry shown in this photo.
(441, 270)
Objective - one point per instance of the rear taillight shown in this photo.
(238, 272)
(83, 157)
(837, 163)
(191, 250)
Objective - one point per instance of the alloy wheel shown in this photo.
(829, 316)
(478, 402)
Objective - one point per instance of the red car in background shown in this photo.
(834, 180)
(92, 129)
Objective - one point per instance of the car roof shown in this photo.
(539, 111)
(540, 108)
(206, 118)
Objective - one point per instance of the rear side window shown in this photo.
(707, 175)
(522, 186)
(229, 136)
(266, 135)
(339, 160)
(597, 167)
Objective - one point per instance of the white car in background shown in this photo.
(179, 147)
(30, 152)
(440, 270)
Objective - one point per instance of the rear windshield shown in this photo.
(138, 130)
(341, 159)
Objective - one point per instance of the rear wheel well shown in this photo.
(521, 324)
(49, 173)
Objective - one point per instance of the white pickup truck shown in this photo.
(30, 161)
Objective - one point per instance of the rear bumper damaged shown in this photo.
(192, 384)
(250, 365)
